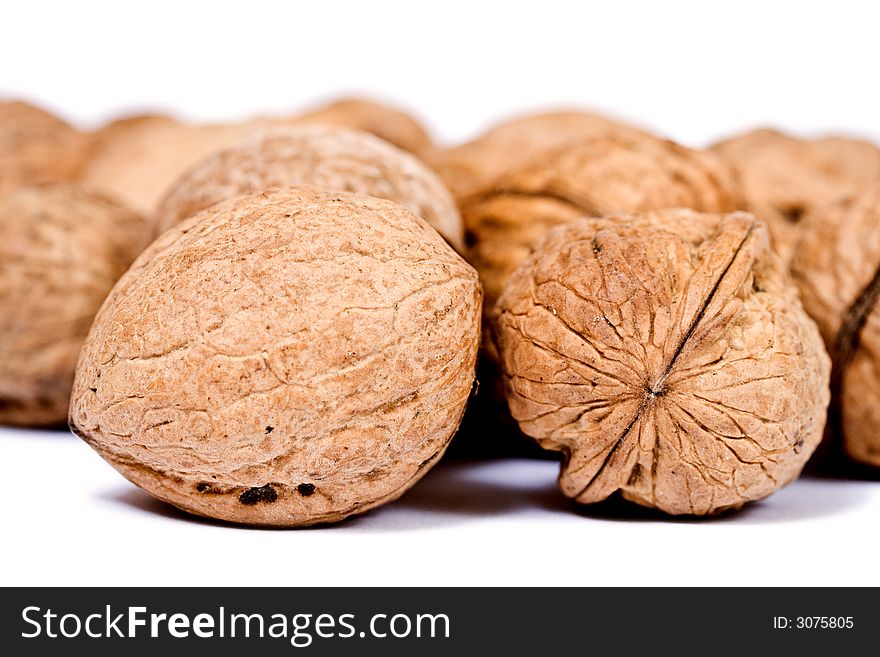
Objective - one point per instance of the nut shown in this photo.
(388, 123)
(595, 177)
(784, 178)
(837, 268)
(286, 358)
(473, 167)
(61, 250)
(667, 356)
(37, 148)
(138, 158)
(331, 158)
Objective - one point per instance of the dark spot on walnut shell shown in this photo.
(255, 495)
(305, 489)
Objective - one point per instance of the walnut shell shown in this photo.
(335, 159)
(286, 358)
(667, 356)
(473, 167)
(136, 159)
(837, 268)
(61, 250)
(594, 177)
(37, 148)
(784, 178)
(388, 123)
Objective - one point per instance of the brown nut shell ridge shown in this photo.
(667, 356)
(61, 251)
(335, 159)
(285, 358)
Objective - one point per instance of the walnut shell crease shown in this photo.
(667, 356)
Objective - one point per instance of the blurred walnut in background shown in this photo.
(37, 147)
(784, 178)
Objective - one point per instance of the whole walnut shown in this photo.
(285, 358)
(136, 159)
(335, 159)
(784, 178)
(667, 356)
(473, 167)
(37, 148)
(388, 123)
(837, 268)
(61, 250)
(593, 177)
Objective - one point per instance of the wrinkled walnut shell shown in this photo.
(473, 167)
(784, 178)
(837, 267)
(595, 177)
(335, 159)
(286, 358)
(61, 250)
(37, 148)
(667, 356)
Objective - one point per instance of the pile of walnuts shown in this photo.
(278, 321)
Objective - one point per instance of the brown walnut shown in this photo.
(37, 148)
(667, 356)
(837, 268)
(136, 159)
(335, 159)
(61, 250)
(285, 358)
(594, 177)
(784, 178)
(388, 123)
(473, 167)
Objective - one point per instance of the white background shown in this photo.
(695, 71)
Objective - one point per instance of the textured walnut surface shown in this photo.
(391, 124)
(837, 268)
(667, 355)
(335, 159)
(285, 358)
(37, 148)
(473, 167)
(61, 250)
(138, 158)
(593, 177)
(784, 178)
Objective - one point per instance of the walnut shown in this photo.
(37, 148)
(594, 177)
(388, 123)
(285, 358)
(473, 167)
(335, 159)
(784, 178)
(837, 268)
(137, 158)
(61, 250)
(667, 356)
